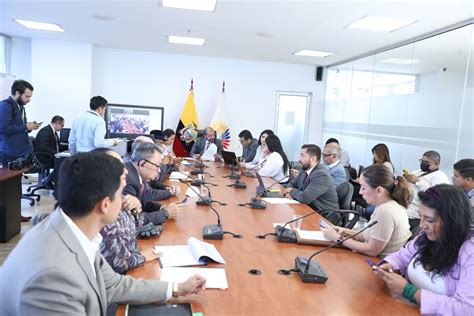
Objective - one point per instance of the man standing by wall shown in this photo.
(14, 128)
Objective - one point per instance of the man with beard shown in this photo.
(14, 128)
(314, 185)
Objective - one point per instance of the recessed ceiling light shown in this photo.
(401, 61)
(186, 40)
(40, 25)
(313, 53)
(377, 23)
(200, 5)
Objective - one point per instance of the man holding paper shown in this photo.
(57, 269)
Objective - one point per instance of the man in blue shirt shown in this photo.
(88, 130)
(14, 127)
(331, 156)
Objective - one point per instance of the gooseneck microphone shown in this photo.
(284, 234)
(214, 232)
(195, 182)
(312, 271)
(258, 203)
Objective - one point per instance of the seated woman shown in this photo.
(438, 265)
(381, 155)
(277, 164)
(119, 244)
(261, 154)
(391, 197)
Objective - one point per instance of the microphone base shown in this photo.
(213, 232)
(285, 235)
(258, 204)
(196, 172)
(315, 274)
(203, 202)
(197, 183)
(234, 176)
(248, 174)
(240, 185)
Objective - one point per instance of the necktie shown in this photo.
(57, 141)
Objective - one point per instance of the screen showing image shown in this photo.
(126, 120)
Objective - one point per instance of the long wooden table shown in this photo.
(352, 288)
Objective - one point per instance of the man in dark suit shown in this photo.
(14, 127)
(313, 185)
(144, 166)
(57, 268)
(249, 145)
(202, 144)
(47, 145)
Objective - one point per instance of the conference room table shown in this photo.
(351, 289)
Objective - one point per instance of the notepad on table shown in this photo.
(215, 277)
(195, 252)
(280, 201)
(312, 237)
(179, 175)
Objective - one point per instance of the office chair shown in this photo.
(344, 194)
(44, 161)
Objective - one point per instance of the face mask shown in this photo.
(424, 166)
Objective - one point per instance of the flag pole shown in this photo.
(192, 82)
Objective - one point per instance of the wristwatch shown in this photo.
(175, 290)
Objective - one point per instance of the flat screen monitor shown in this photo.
(129, 121)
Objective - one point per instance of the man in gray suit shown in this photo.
(57, 269)
(202, 144)
(313, 185)
(249, 145)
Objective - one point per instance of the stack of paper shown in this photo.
(215, 277)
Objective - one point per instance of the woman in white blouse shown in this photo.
(261, 153)
(277, 165)
(382, 156)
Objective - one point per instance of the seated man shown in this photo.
(314, 185)
(333, 164)
(421, 179)
(47, 141)
(249, 145)
(56, 268)
(119, 244)
(343, 155)
(202, 144)
(143, 167)
(463, 177)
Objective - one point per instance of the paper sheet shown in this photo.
(191, 193)
(209, 153)
(216, 277)
(177, 175)
(312, 234)
(280, 201)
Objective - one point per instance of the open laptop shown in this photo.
(266, 192)
(229, 157)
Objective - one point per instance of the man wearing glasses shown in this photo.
(144, 166)
(331, 154)
(421, 179)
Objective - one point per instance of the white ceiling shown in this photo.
(231, 30)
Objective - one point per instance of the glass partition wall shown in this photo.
(414, 98)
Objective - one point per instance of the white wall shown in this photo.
(155, 79)
(21, 58)
(61, 74)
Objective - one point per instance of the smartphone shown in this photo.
(371, 262)
(323, 223)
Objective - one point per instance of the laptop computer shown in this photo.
(266, 192)
(229, 157)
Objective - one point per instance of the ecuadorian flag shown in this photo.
(187, 126)
(219, 122)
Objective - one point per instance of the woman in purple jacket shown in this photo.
(438, 265)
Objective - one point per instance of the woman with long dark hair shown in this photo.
(390, 196)
(438, 265)
(261, 153)
(381, 155)
(277, 164)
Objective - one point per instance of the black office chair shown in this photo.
(344, 194)
(44, 161)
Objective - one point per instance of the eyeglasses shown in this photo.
(152, 163)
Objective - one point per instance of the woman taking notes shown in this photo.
(390, 197)
(438, 265)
